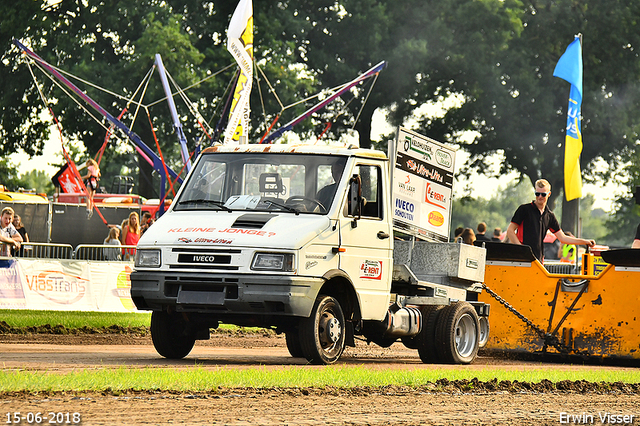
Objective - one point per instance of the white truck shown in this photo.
(300, 239)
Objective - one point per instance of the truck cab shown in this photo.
(298, 238)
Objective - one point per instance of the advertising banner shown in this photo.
(65, 285)
(422, 185)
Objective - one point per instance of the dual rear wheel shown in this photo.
(450, 334)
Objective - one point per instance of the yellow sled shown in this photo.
(584, 314)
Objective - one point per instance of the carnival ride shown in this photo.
(167, 175)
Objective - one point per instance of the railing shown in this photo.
(104, 252)
(46, 251)
(82, 252)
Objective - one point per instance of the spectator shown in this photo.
(9, 236)
(145, 217)
(636, 241)
(122, 227)
(131, 235)
(17, 223)
(482, 228)
(147, 225)
(457, 232)
(112, 240)
(468, 236)
(567, 253)
(496, 235)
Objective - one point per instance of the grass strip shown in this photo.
(74, 319)
(200, 379)
(76, 322)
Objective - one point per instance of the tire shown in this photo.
(170, 335)
(484, 331)
(427, 338)
(457, 334)
(293, 344)
(322, 335)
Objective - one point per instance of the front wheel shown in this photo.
(322, 335)
(457, 334)
(170, 335)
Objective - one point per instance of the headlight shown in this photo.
(148, 258)
(272, 262)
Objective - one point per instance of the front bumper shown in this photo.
(225, 294)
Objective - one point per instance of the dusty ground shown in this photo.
(442, 403)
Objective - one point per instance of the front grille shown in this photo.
(205, 258)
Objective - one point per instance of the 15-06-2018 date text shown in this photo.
(50, 417)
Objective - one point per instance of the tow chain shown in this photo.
(548, 338)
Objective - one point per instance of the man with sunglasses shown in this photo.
(530, 223)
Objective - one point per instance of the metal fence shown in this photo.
(104, 252)
(83, 252)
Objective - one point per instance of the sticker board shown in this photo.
(422, 179)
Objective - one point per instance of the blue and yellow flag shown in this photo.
(569, 68)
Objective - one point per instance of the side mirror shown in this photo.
(354, 201)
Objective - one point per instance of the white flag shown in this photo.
(240, 44)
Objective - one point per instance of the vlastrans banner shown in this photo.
(65, 285)
(422, 185)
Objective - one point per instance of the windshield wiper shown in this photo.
(203, 201)
(282, 206)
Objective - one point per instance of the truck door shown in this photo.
(366, 245)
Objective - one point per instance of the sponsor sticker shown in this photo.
(371, 269)
(436, 218)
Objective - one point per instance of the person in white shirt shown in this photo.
(9, 235)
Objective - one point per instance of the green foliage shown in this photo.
(495, 56)
(8, 175)
(39, 181)
(625, 220)
(495, 211)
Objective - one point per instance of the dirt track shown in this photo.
(442, 404)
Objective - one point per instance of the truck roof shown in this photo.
(300, 149)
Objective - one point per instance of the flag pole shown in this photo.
(578, 223)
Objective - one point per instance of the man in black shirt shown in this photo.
(482, 229)
(531, 221)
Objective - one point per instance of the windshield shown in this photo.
(295, 183)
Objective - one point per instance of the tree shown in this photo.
(112, 44)
(519, 111)
(38, 181)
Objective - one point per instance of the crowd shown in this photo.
(128, 233)
(13, 234)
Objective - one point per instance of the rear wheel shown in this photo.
(293, 344)
(484, 331)
(457, 334)
(426, 340)
(170, 335)
(322, 335)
